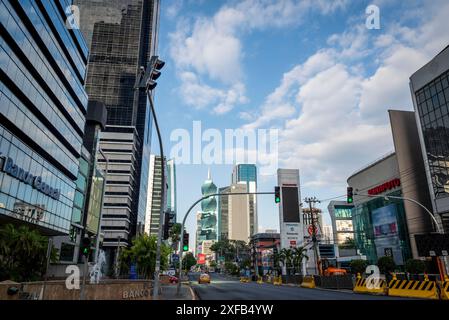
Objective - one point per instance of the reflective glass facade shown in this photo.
(368, 236)
(248, 173)
(122, 36)
(42, 115)
(433, 109)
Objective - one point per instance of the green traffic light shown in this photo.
(185, 248)
(350, 200)
(277, 199)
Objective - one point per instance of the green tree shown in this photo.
(299, 254)
(143, 254)
(386, 265)
(188, 261)
(415, 266)
(286, 257)
(175, 232)
(358, 266)
(23, 253)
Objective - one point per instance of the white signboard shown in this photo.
(291, 235)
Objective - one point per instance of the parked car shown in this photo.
(173, 279)
(204, 278)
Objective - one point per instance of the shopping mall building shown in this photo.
(417, 171)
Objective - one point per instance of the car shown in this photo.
(173, 279)
(204, 278)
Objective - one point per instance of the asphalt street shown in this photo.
(227, 288)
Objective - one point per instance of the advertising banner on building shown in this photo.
(201, 258)
(386, 233)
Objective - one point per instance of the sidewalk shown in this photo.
(169, 293)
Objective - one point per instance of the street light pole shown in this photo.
(147, 81)
(97, 244)
(178, 290)
(161, 214)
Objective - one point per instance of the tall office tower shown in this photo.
(122, 36)
(154, 188)
(234, 221)
(430, 93)
(153, 210)
(171, 187)
(247, 173)
(42, 115)
(208, 221)
(223, 213)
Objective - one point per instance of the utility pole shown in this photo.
(311, 201)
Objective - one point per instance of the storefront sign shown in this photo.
(385, 186)
(26, 177)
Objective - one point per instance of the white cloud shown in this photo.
(199, 95)
(211, 47)
(341, 101)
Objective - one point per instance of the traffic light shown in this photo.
(166, 226)
(277, 194)
(154, 72)
(168, 223)
(85, 246)
(185, 242)
(349, 195)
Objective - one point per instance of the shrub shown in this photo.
(415, 266)
(386, 265)
(358, 266)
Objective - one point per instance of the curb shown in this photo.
(194, 294)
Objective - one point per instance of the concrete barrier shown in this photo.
(444, 289)
(413, 288)
(57, 290)
(308, 282)
(277, 281)
(374, 287)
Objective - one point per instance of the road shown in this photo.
(227, 288)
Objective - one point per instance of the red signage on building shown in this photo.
(201, 258)
(385, 186)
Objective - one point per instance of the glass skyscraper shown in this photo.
(43, 108)
(247, 173)
(122, 37)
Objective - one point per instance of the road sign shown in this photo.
(175, 258)
(388, 252)
(432, 253)
(444, 252)
(311, 229)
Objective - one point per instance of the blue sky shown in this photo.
(310, 69)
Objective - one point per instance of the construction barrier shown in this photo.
(413, 289)
(308, 282)
(444, 292)
(374, 286)
(277, 281)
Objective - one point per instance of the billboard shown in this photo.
(386, 233)
(291, 228)
(290, 204)
(201, 258)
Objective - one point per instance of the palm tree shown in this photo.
(286, 257)
(299, 256)
(23, 253)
